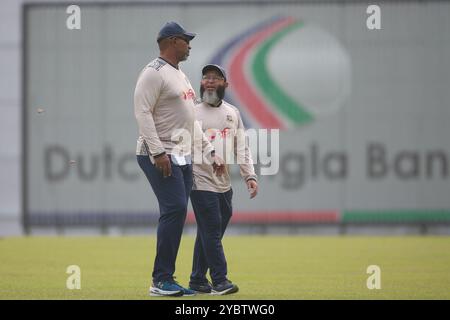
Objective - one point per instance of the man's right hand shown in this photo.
(218, 165)
(162, 162)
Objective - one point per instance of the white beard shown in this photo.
(210, 97)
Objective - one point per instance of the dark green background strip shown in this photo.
(396, 216)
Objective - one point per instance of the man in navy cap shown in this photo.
(164, 110)
(171, 29)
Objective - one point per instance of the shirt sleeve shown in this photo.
(242, 151)
(146, 94)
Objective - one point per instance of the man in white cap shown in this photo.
(164, 110)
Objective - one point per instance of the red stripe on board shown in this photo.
(267, 217)
(244, 91)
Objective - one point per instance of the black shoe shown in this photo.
(225, 287)
(200, 287)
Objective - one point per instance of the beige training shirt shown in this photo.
(164, 109)
(225, 130)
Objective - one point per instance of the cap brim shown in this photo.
(189, 35)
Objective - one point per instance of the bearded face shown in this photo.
(211, 96)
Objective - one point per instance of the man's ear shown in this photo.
(225, 84)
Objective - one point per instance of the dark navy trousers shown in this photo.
(173, 196)
(212, 212)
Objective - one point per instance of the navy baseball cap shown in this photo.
(171, 29)
(215, 67)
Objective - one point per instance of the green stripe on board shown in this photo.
(396, 216)
(285, 104)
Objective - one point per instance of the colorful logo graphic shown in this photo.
(284, 73)
(190, 94)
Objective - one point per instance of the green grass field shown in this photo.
(264, 267)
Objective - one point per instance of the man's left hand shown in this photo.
(252, 186)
